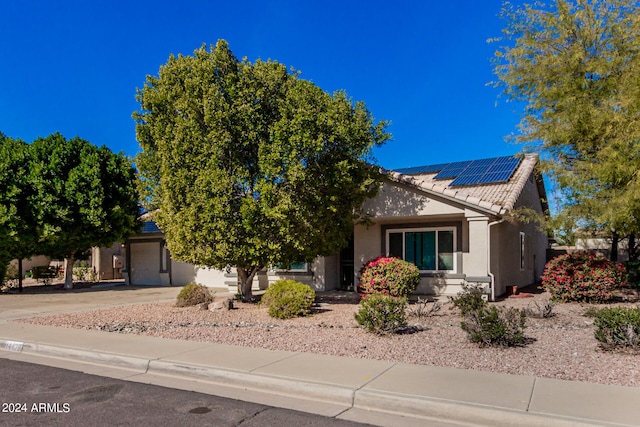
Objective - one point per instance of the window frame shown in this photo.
(303, 269)
(406, 230)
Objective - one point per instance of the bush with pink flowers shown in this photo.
(582, 277)
(388, 276)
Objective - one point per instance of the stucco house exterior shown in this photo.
(452, 220)
(461, 216)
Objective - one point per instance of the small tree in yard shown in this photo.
(249, 165)
(18, 224)
(85, 196)
(574, 66)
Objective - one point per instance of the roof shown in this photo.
(496, 196)
(148, 224)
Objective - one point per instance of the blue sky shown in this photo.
(424, 65)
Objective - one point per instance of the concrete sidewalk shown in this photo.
(370, 391)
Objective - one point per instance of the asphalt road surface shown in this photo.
(36, 395)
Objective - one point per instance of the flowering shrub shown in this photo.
(582, 277)
(388, 276)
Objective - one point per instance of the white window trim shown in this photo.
(417, 230)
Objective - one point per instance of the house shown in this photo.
(148, 262)
(451, 220)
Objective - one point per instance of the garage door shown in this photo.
(145, 263)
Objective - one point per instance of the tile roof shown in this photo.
(498, 198)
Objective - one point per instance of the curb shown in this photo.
(306, 390)
(100, 358)
(398, 404)
(459, 412)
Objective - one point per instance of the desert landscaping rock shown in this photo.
(220, 303)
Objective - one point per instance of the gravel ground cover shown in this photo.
(561, 347)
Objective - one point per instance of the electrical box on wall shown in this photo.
(118, 262)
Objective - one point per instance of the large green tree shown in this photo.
(19, 229)
(248, 165)
(85, 196)
(574, 64)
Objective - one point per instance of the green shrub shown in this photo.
(388, 276)
(490, 326)
(193, 294)
(422, 309)
(44, 274)
(469, 299)
(618, 328)
(382, 314)
(83, 272)
(582, 277)
(9, 277)
(633, 272)
(288, 298)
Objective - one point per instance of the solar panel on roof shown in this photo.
(452, 170)
(484, 162)
(503, 164)
(465, 180)
(150, 227)
(474, 172)
(422, 169)
(498, 170)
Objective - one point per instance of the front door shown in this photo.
(346, 267)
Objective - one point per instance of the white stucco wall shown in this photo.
(475, 258)
(505, 262)
(396, 201)
(367, 244)
(399, 206)
(29, 263)
(102, 261)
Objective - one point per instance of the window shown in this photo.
(522, 250)
(296, 267)
(430, 249)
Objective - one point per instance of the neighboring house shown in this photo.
(595, 245)
(449, 219)
(29, 263)
(108, 263)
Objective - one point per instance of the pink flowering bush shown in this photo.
(388, 276)
(582, 277)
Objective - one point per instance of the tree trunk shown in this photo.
(632, 247)
(614, 247)
(68, 271)
(245, 276)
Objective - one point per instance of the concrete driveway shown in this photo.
(28, 304)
